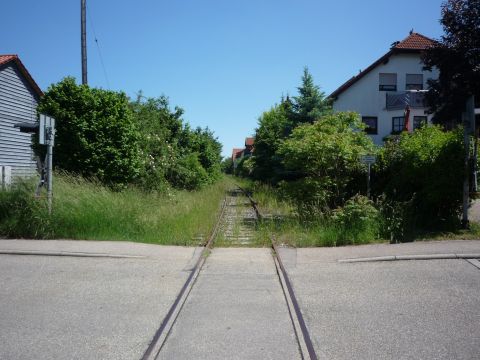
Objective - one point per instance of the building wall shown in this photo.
(365, 98)
(18, 103)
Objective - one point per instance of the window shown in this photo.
(398, 124)
(419, 121)
(414, 82)
(387, 82)
(371, 122)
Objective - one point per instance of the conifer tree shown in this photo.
(311, 103)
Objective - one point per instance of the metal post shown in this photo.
(368, 181)
(471, 119)
(50, 175)
(84, 41)
(466, 166)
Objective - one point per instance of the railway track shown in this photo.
(235, 227)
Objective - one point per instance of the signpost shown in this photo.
(369, 160)
(47, 137)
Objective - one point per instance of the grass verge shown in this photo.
(86, 210)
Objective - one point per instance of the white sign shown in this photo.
(46, 130)
(368, 159)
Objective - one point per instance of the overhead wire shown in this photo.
(98, 48)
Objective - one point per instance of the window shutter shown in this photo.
(388, 79)
(416, 79)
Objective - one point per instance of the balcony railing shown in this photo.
(399, 100)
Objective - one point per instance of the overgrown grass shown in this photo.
(86, 210)
(284, 224)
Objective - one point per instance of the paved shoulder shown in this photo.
(236, 310)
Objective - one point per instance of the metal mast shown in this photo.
(84, 42)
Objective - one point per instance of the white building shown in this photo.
(384, 91)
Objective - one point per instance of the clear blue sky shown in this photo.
(223, 61)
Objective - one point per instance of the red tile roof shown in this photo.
(413, 43)
(4, 59)
(249, 141)
(236, 152)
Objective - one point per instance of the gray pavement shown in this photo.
(67, 307)
(77, 307)
(236, 310)
(414, 309)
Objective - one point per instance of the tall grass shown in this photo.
(84, 209)
(282, 221)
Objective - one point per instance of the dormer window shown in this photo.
(414, 82)
(387, 82)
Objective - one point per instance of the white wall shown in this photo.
(365, 98)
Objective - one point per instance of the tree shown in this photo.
(227, 165)
(160, 129)
(274, 127)
(96, 135)
(172, 153)
(326, 157)
(457, 57)
(311, 103)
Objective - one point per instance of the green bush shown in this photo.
(325, 156)
(424, 172)
(188, 173)
(357, 219)
(167, 146)
(95, 132)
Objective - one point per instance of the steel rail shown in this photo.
(196, 269)
(301, 321)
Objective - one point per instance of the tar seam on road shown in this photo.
(303, 327)
(411, 257)
(70, 254)
(201, 260)
(474, 262)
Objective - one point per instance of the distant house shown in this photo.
(389, 94)
(19, 96)
(239, 154)
(249, 141)
(236, 154)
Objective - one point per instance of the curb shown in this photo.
(411, 257)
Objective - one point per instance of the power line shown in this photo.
(98, 48)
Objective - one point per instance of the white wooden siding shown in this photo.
(18, 103)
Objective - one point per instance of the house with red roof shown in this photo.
(19, 96)
(238, 154)
(389, 94)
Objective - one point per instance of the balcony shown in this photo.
(399, 100)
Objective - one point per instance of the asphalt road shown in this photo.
(420, 309)
(63, 307)
(105, 300)
(236, 310)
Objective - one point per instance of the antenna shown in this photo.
(84, 42)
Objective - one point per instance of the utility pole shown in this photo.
(84, 41)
